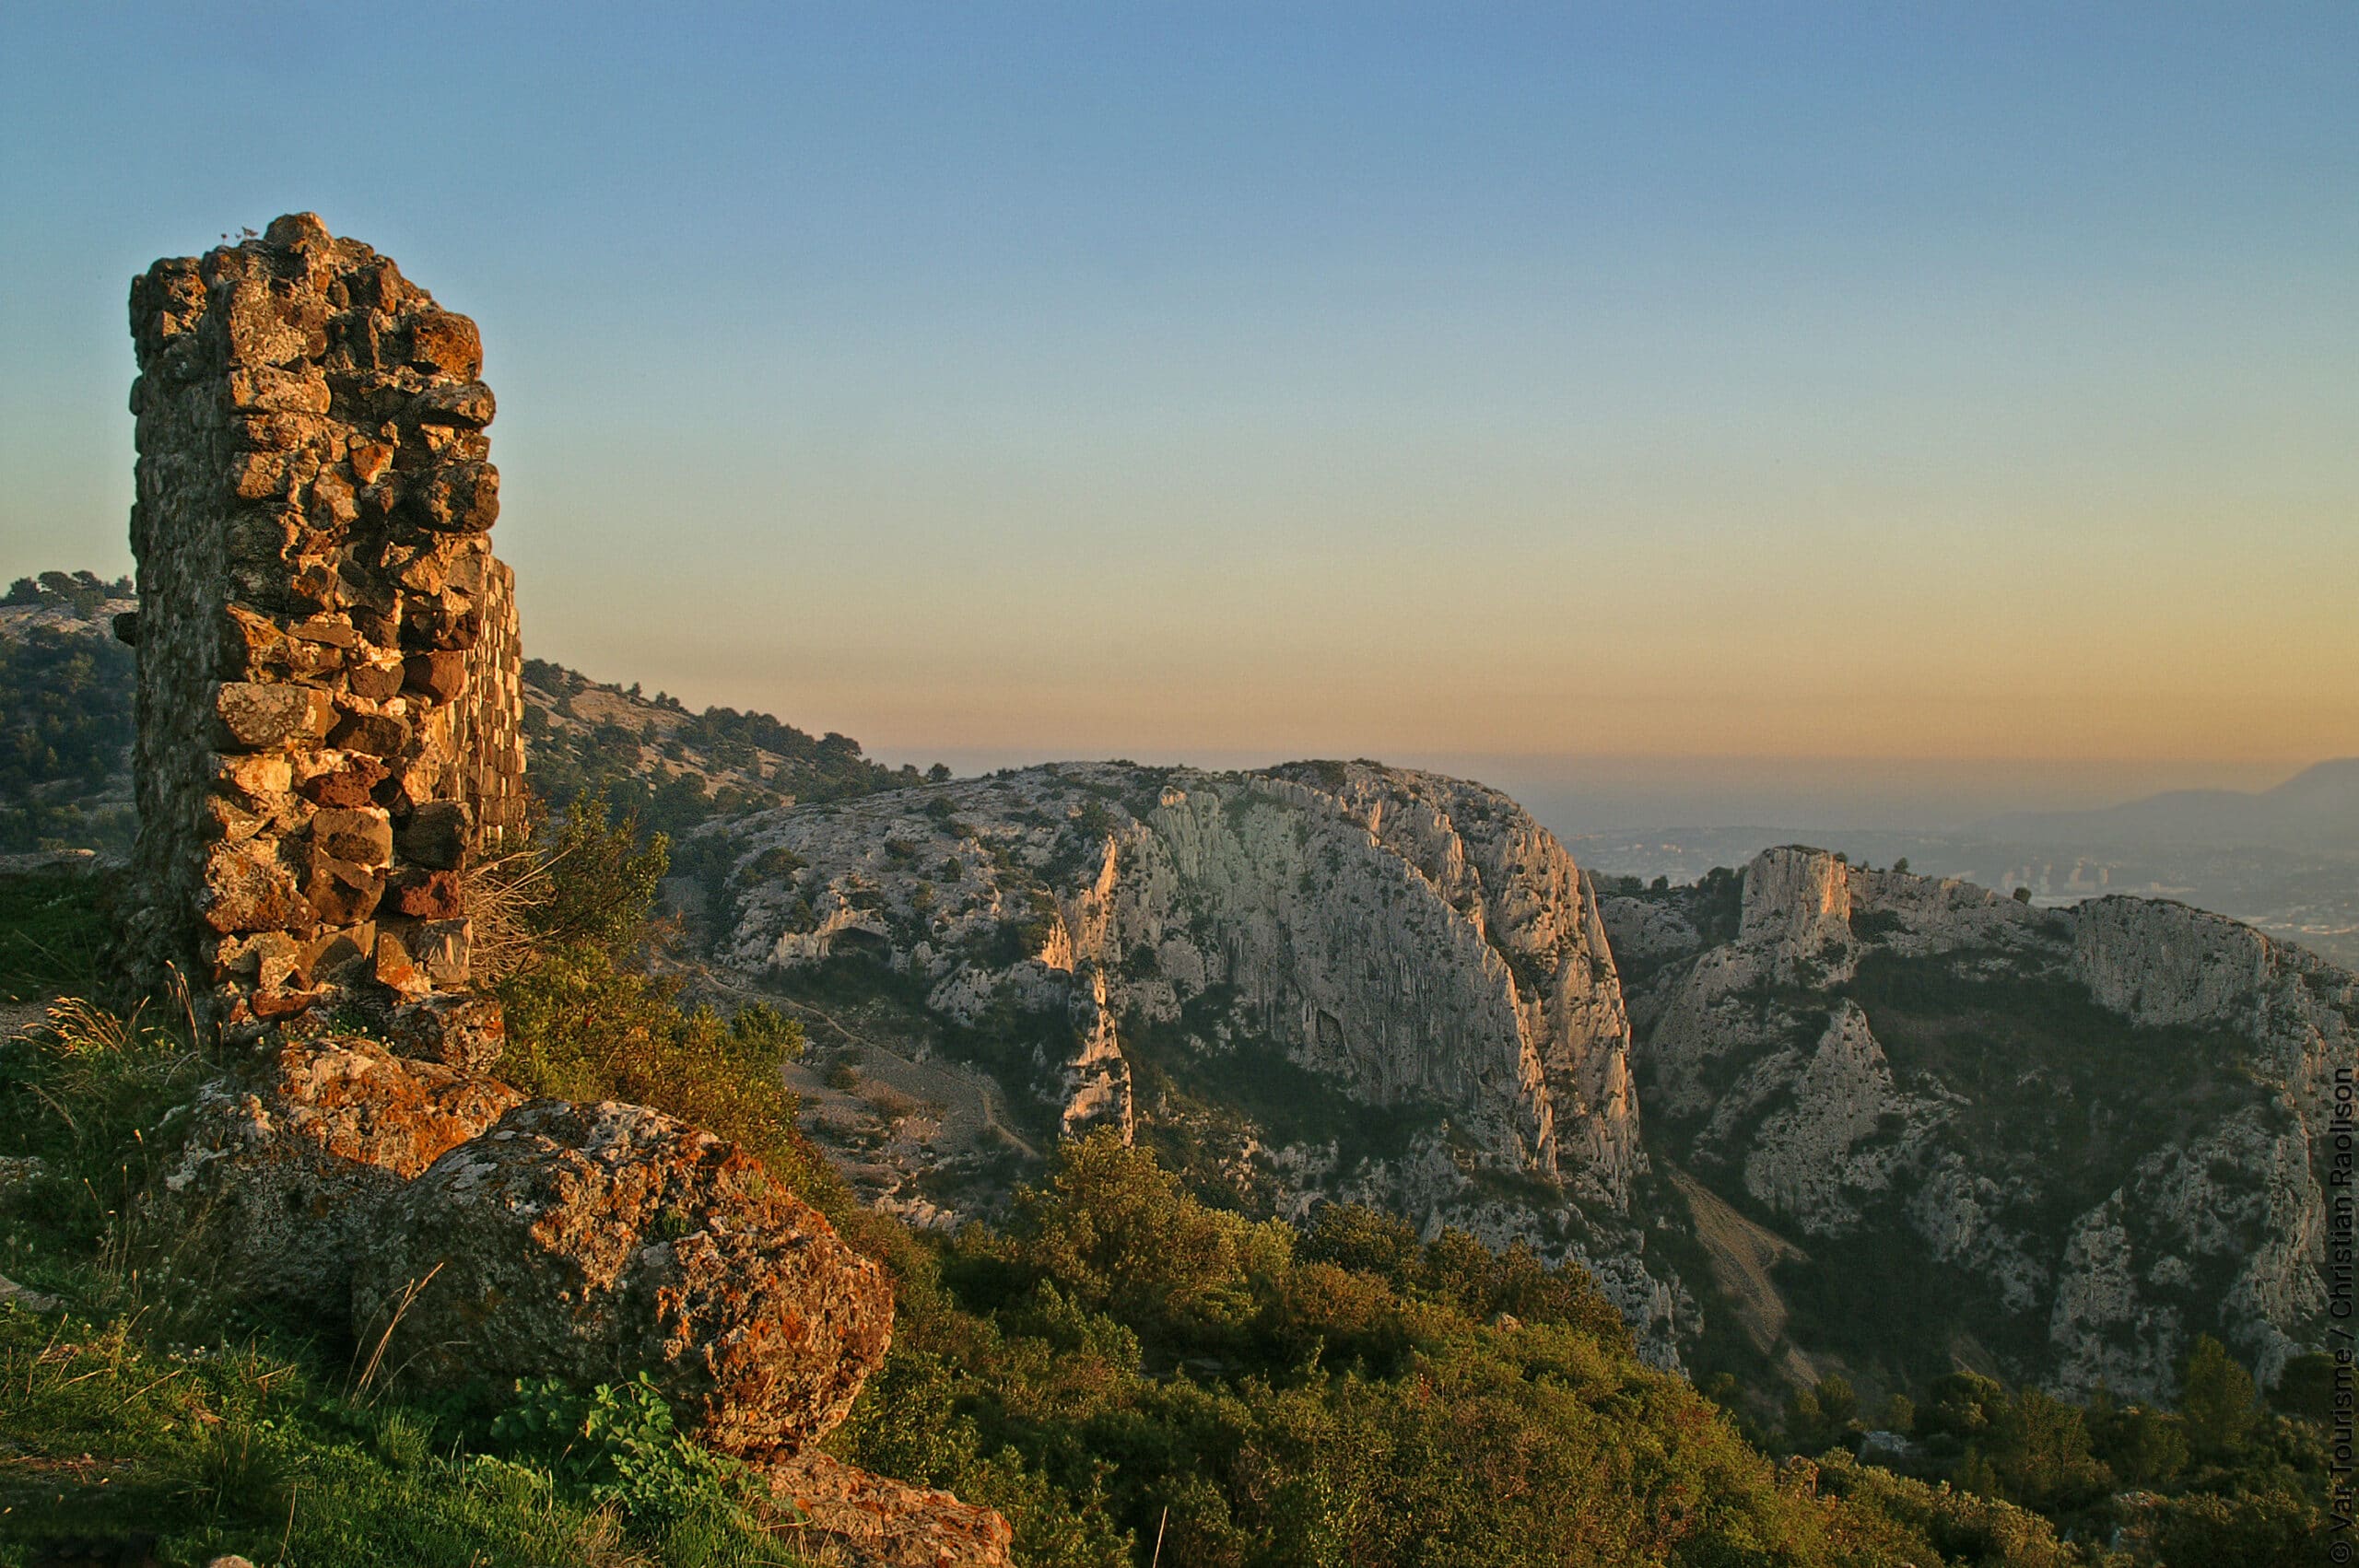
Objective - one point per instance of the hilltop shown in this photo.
(65, 723)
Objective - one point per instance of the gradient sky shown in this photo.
(1960, 391)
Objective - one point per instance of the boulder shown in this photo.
(466, 1032)
(874, 1522)
(289, 1170)
(589, 1242)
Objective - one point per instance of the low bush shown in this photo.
(586, 1020)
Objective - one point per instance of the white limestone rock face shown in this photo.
(1798, 915)
(2162, 963)
(1847, 1133)
(1416, 940)
(1957, 1211)
(2105, 1333)
(1646, 932)
(1417, 945)
(2109, 1120)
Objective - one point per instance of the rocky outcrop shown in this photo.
(328, 670)
(1959, 1213)
(286, 1175)
(1413, 970)
(1846, 1132)
(587, 1242)
(1416, 940)
(2161, 962)
(2107, 1121)
(871, 1522)
(1797, 916)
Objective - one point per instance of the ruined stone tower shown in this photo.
(329, 703)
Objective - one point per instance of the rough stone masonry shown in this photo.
(329, 698)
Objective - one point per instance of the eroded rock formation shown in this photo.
(1417, 941)
(1410, 969)
(2101, 1129)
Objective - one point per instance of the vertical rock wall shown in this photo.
(329, 700)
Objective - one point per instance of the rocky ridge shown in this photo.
(2091, 1133)
(2105, 1122)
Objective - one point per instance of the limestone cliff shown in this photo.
(2071, 1138)
(1324, 979)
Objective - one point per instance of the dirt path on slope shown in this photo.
(1742, 1255)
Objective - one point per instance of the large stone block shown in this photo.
(255, 717)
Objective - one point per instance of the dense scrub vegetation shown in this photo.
(706, 765)
(587, 1021)
(2224, 1478)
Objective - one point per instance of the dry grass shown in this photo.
(499, 896)
(101, 1087)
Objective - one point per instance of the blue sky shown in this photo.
(1924, 383)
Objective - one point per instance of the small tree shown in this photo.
(2306, 1388)
(1819, 1417)
(2039, 1448)
(2145, 1448)
(2217, 1399)
(601, 884)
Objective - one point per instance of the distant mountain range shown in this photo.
(2315, 809)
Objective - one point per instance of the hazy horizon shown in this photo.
(1787, 405)
(1603, 794)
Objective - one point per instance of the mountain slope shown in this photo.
(66, 690)
(65, 724)
(674, 768)
(2072, 1139)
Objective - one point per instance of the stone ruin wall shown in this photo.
(330, 702)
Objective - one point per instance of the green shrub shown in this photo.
(586, 1022)
(616, 1446)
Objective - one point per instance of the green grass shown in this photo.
(54, 934)
(243, 1448)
